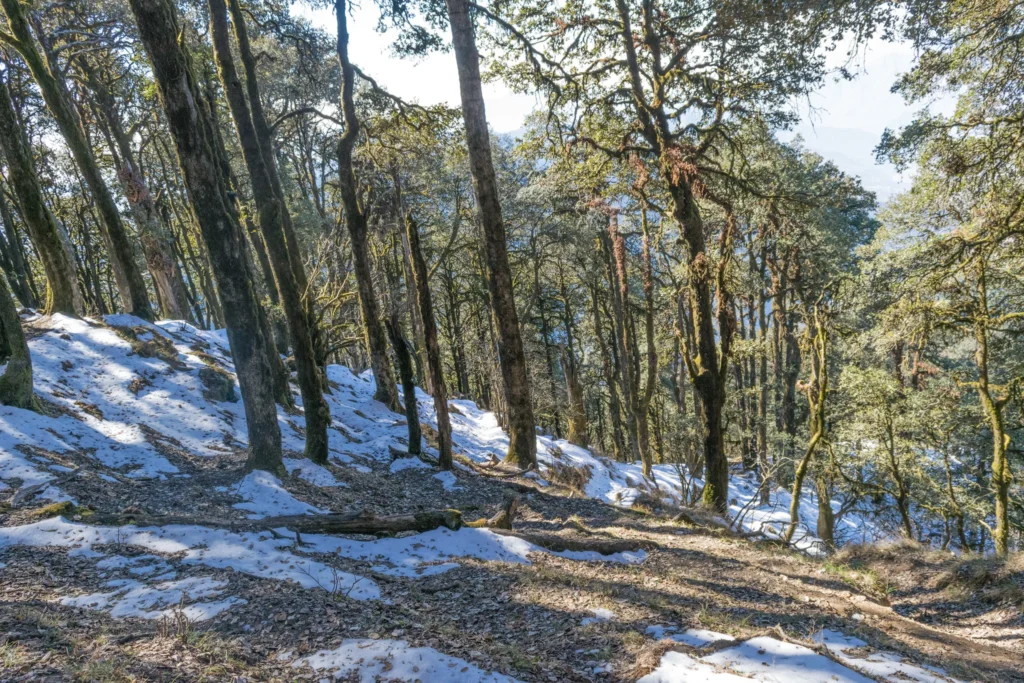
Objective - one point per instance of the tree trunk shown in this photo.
(272, 214)
(14, 258)
(578, 429)
(614, 409)
(522, 439)
(992, 406)
(130, 284)
(615, 254)
(826, 517)
(16, 382)
(817, 391)
(156, 242)
(355, 219)
(435, 369)
(405, 373)
(190, 125)
(265, 135)
(63, 294)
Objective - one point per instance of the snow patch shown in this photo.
(772, 661)
(131, 598)
(257, 554)
(264, 496)
(309, 471)
(694, 637)
(432, 552)
(883, 666)
(368, 661)
(448, 481)
(600, 614)
(400, 464)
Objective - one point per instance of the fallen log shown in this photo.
(502, 520)
(334, 523)
(557, 544)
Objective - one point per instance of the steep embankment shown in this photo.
(143, 420)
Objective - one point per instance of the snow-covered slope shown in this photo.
(124, 396)
(121, 395)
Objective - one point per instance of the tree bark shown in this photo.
(817, 390)
(16, 382)
(63, 294)
(405, 373)
(615, 265)
(993, 407)
(191, 126)
(522, 439)
(272, 213)
(15, 265)
(355, 219)
(131, 286)
(435, 369)
(610, 379)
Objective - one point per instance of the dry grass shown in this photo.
(991, 580)
(864, 555)
(569, 476)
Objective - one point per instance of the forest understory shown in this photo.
(200, 602)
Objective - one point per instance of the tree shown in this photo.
(16, 382)
(273, 214)
(63, 294)
(435, 369)
(712, 65)
(355, 219)
(522, 448)
(156, 243)
(120, 248)
(199, 156)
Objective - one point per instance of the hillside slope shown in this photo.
(144, 420)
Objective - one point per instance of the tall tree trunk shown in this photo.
(522, 439)
(265, 135)
(614, 409)
(817, 390)
(272, 212)
(993, 406)
(63, 294)
(615, 255)
(130, 284)
(578, 427)
(762, 405)
(16, 382)
(355, 219)
(707, 366)
(156, 242)
(14, 258)
(747, 448)
(578, 430)
(405, 373)
(644, 399)
(826, 516)
(435, 369)
(190, 125)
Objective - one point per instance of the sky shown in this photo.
(843, 121)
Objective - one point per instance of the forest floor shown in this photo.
(135, 424)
